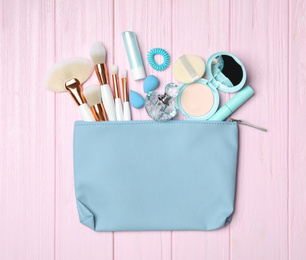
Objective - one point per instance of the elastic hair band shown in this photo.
(153, 64)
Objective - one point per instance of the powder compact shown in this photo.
(199, 100)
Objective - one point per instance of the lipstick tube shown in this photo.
(134, 56)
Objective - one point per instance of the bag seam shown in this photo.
(153, 123)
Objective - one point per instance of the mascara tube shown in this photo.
(233, 104)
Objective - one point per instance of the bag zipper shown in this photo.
(241, 122)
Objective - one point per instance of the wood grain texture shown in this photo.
(259, 227)
(297, 130)
(26, 131)
(78, 25)
(38, 214)
(199, 35)
(151, 21)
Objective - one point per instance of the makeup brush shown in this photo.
(93, 97)
(126, 101)
(68, 75)
(98, 55)
(118, 104)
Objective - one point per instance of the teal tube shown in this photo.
(233, 104)
(134, 56)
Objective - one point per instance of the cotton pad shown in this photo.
(188, 68)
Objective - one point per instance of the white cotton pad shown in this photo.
(188, 68)
(197, 99)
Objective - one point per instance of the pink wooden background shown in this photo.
(38, 215)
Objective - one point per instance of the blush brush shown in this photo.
(93, 97)
(98, 55)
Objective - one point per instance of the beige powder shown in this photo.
(197, 99)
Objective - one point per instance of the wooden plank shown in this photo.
(78, 24)
(201, 28)
(151, 21)
(142, 245)
(259, 37)
(297, 127)
(26, 131)
(29, 133)
(205, 32)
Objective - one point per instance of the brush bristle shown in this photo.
(114, 69)
(67, 69)
(97, 53)
(123, 74)
(92, 95)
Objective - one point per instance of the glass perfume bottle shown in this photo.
(162, 107)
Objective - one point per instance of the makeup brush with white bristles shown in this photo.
(68, 75)
(93, 97)
(118, 104)
(126, 103)
(98, 55)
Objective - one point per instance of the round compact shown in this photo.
(199, 100)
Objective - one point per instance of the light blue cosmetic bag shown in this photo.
(147, 175)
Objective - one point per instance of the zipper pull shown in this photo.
(241, 122)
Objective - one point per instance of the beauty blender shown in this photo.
(136, 100)
(150, 83)
(68, 75)
(188, 68)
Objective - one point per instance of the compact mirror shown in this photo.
(226, 72)
(199, 100)
(231, 71)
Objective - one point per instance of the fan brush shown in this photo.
(68, 75)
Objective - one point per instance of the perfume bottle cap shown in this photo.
(171, 90)
(160, 107)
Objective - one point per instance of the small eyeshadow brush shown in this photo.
(118, 104)
(126, 101)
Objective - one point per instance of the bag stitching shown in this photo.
(153, 123)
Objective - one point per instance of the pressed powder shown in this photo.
(197, 99)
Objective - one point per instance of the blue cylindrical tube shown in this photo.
(134, 56)
(233, 104)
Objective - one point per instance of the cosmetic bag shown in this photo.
(148, 175)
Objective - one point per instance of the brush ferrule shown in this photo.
(75, 89)
(116, 85)
(102, 74)
(99, 112)
(125, 90)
